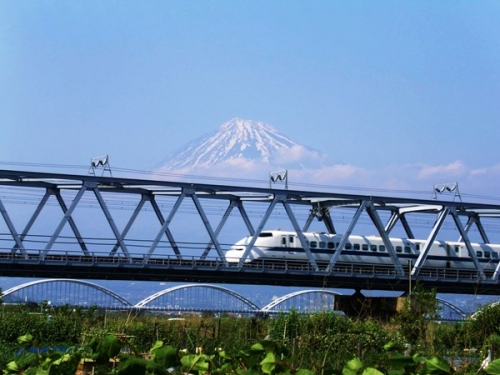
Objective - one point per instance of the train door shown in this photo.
(288, 241)
(452, 252)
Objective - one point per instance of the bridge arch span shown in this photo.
(64, 291)
(456, 312)
(311, 300)
(200, 297)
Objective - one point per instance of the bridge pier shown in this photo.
(359, 306)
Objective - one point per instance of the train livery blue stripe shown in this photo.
(283, 252)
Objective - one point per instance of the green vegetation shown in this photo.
(65, 340)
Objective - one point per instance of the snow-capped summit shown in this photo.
(237, 142)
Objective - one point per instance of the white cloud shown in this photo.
(478, 172)
(298, 155)
(455, 168)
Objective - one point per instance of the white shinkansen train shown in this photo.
(285, 245)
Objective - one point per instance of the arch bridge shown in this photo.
(98, 227)
(181, 299)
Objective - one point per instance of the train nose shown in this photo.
(233, 255)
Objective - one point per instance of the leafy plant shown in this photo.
(42, 361)
(417, 314)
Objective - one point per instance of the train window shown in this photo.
(348, 246)
(399, 249)
(381, 248)
(356, 246)
(364, 247)
(314, 244)
(457, 249)
(407, 250)
(373, 247)
(290, 239)
(266, 234)
(417, 247)
(479, 253)
(487, 254)
(322, 244)
(283, 241)
(331, 245)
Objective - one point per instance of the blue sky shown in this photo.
(400, 94)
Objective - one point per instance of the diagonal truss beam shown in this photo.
(164, 227)
(56, 192)
(321, 213)
(346, 235)
(474, 219)
(310, 219)
(300, 234)
(406, 226)
(118, 236)
(133, 217)
(208, 227)
(385, 238)
(10, 225)
(393, 220)
(31, 221)
(263, 222)
(245, 217)
(430, 240)
(229, 209)
(496, 274)
(467, 242)
(71, 222)
(67, 216)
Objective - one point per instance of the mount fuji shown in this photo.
(241, 146)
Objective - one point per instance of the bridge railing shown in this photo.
(215, 263)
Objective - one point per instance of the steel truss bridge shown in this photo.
(53, 227)
(181, 299)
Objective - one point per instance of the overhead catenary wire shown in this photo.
(251, 182)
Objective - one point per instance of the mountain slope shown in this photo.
(239, 140)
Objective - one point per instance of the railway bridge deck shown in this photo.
(98, 227)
